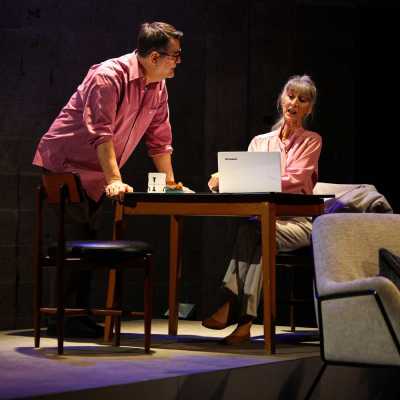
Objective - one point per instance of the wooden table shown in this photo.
(268, 206)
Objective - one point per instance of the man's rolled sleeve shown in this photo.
(100, 110)
(158, 136)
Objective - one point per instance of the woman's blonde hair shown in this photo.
(302, 84)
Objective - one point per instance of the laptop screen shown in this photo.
(246, 172)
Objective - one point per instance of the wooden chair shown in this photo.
(61, 190)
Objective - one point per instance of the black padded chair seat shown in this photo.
(104, 250)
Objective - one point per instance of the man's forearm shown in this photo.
(108, 162)
(163, 163)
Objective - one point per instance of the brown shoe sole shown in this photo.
(235, 339)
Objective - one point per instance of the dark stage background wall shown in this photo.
(237, 56)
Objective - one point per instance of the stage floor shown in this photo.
(99, 371)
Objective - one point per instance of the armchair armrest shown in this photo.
(356, 328)
(387, 290)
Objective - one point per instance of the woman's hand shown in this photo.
(117, 189)
(213, 183)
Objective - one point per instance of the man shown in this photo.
(119, 102)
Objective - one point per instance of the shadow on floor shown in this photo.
(288, 343)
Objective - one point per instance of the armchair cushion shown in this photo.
(389, 266)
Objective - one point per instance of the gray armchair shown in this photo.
(359, 311)
(296, 267)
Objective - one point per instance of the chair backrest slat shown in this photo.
(53, 182)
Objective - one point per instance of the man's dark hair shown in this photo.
(155, 36)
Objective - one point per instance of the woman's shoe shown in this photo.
(241, 333)
(212, 323)
(221, 318)
(234, 339)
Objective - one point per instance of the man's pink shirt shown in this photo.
(299, 158)
(111, 104)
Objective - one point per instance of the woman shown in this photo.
(300, 150)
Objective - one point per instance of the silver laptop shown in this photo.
(248, 171)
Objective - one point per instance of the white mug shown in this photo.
(156, 182)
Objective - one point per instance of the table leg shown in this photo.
(268, 250)
(174, 272)
(117, 234)
(109, 320)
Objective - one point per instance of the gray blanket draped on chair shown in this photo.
(360, 198)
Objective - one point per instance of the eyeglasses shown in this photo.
(176, 56)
